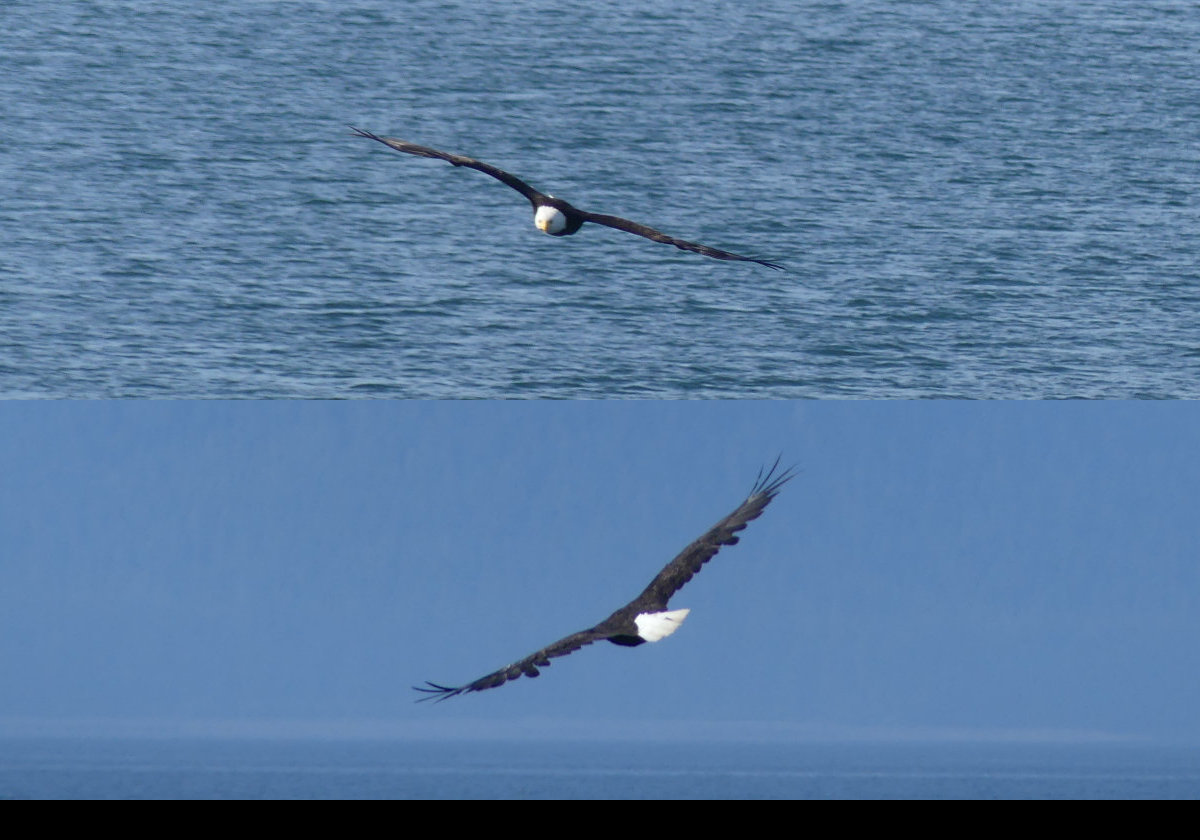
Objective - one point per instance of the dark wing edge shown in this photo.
(680, 570)
(527, 667)
(458, 160)
(658, 236)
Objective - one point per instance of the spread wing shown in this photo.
(458, 160)
(680, 570)
(658, 236)
(526, 667)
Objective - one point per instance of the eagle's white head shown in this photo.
(549, 219)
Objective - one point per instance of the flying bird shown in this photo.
(645, 618)
(553, 215)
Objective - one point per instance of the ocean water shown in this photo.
(118, 768)
(994, 200)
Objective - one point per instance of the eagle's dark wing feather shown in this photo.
(458, 160)
(680, 570)
(658, 236)
(526, 667)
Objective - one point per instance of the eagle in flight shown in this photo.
(553, 215)
(645, 618)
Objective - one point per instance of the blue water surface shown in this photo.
(125, 768)
(994, 200)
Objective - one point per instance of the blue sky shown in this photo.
(934, 567)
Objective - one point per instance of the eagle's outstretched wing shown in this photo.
(458, 160)
(680, 570)
(526, 667)
(658, 236)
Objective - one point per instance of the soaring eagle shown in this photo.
(553, 215)
(645, 618)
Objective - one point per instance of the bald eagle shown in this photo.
(553, 215)
(645, 618)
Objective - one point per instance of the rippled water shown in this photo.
(994, 201)
(467, 769)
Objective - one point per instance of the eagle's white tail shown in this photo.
(655, 626)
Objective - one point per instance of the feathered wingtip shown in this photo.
(770, 483)
(358, 132)
(438, 693)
